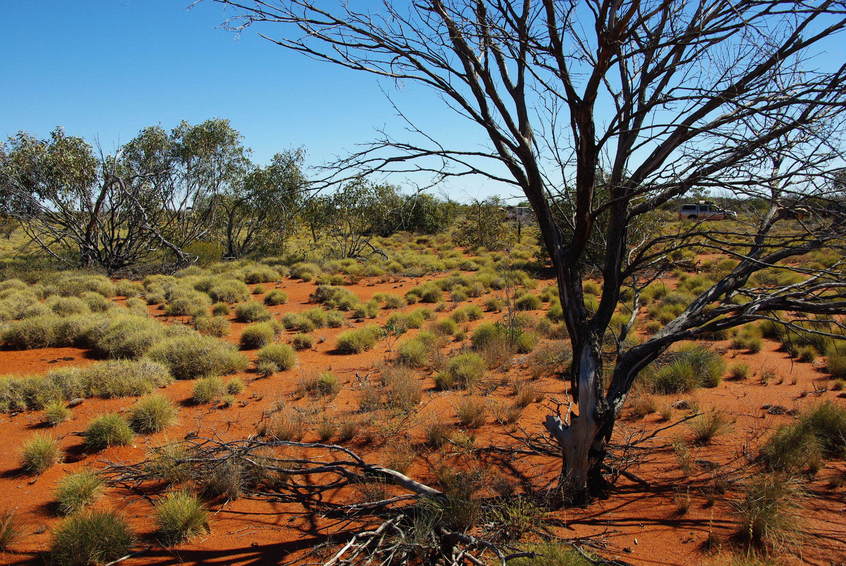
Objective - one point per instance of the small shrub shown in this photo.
(207, 389)
(123, 378)
(444, 327)
(462, 372)
(78, 490)
(107, 430)
(302, 342)
(9, 530)
(193, 356)
(152, 414)
(526, 342)
(414, 353)
(528, 302)
(485, 334)
(437, 434)
(234, 386)
(471, 412)
(768, 512)
(216, 326)
(835, 356)
(56, 412)
(705, 427)
(552, 554)
(284, 425)
(281, 355)
(91, 537)
(357, 341)
(299, 322)
(180, 516)
(403, 389)
(251, 311)
(739, 371)
(643, 405)
(325, 384)
(40, 452)
(257, 336)
(275, 297)
(220, 309)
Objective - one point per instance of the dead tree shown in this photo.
(616, 109)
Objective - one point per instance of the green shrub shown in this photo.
(528, 302)
(67, 306)
(56, 412)
(552, 554)
(462, 372)
(180, 516)
(123, 378)
(835, 356)
(299, 322)
(444, 327)
(275, 297)
(402, 388)
(216, 326)
(251, 311)
(40, 452)
(257, 336)
(125, 336)
(317, 317)
(107, 430)
(471, 412)
(485, 334)
(188, 304)
(220, 309)
(302, 341)
(324, 384)
(229, 291)
(281, 355)
(691, 367)
(358, 340)
(152, 414)
(235, 386)
(334, 319)
(706, 426)
(414, 353)
(768, 512)
(526, 342)
(207, 389)
(193, 356)
(78, 490)
(9, 530)
(91, 537)
(819, 433)
(31, 333)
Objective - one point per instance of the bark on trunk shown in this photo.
(584, 438)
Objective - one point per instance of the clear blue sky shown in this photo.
(104, 69)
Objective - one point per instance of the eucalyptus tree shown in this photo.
(665, 97)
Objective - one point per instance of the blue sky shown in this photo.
(104, 69)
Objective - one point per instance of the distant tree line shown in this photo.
(164, 195)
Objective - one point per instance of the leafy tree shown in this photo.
(258, 210)
(484, 225)
(667, 97)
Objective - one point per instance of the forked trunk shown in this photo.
(584, 437)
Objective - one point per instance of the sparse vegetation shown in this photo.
(77, 491)
(107, 430)
(90, 538)
(180, 516)
(40, 452)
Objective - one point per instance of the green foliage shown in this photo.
(281, 355)
(207, 389)
(325, 384)
(180, 516)
(257, 336)
(251, 311)
(193, 356)
(768, 512)
(152, 414)
(124, 378)
(40, 452)
(528, 302)
(358, 340)
(819, 433)
(77, 491)
(55, 412)
(275, 297)
(91, 537)
(462, 372)
(9, 530)
(691, 367)
(107, 430)
(302, 341)
(217, 326)
(552, 554)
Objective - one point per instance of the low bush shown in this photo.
(298, 322)
(528, 302)
(123, 378)
(708, 425)
(193, 356)
(444, 327)
(107, 430)
(526, 342)
(257, 336)
(56, 412)
(251, 311)
(739, 371)
(835, 356)
(275, 297)
(358, 340)
(819, 433)
(552, 554)
(768, 512)
(286, 424)
(324, 384)
(220, 309)
(152, 414)
(485, 334)
(207, 389)
(282, 356)
(414, 353)
(40, 452)
(302, 341)
(77, 491)
(91, 537)
(217, 326)
(9, 530)
(228, 291)
(471, 412)
(691, 367)
(180, 516)
(403, 390)
(462, 372)
(235, 386)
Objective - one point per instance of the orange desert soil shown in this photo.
(637, 524)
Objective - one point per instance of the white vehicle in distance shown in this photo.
(705, 211)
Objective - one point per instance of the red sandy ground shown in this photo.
(638, 525)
